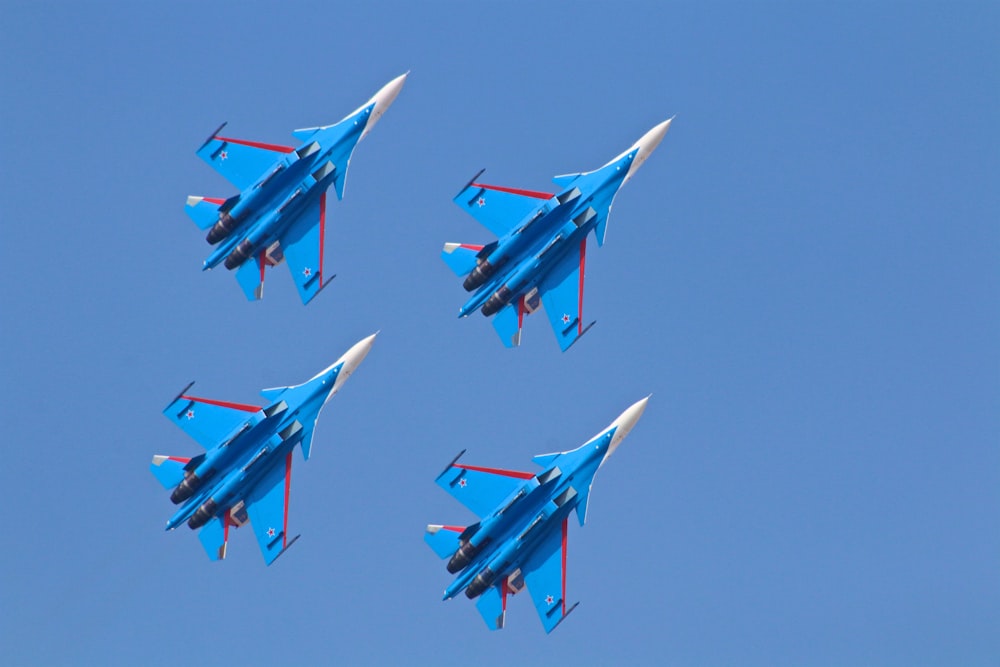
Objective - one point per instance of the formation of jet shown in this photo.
(280, 211)
(245, 472)
(538, 257)
(520, 538)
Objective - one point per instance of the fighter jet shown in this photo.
(280, 212)
(245, 473)
(520, 538)
(538, 257)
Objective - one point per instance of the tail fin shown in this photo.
(564, 180)
(204, 210)
(168, 470)
(443, 539)
(460, 257)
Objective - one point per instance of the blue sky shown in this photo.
(804, 275)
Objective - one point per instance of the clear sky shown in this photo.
(804, 275)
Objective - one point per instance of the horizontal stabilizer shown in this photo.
(168, 470)
(460, 257)
(204, 210)
(507, 324)
(213, 538)
(443, 539)
(492, 607)
(250, 276)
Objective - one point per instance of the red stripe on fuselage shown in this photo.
(223, 404)
(565, 531)
(497, 471)
(257, 144)
(288, 488)
(515, 191)
(579, 308)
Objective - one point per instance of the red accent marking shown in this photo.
(223, 404)
(214, 200)
(226, 521)
(257, 144)
(504, 586)
(515, 191)
(457, 529)
(565, 532)
(469, 246)
(497, 471)
(262, 261)
(579, 308)
(520, 313)
(178, 459)
(322, 234)
(288, 488)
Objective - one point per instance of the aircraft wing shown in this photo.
(302, 246)
(267, 507)
(240, 162)
(496, 208)
(562, 296)
(208, 421)
(545, 576)
(480, 489)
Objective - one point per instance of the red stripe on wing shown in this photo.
(214, 200)
(497, 471)
(257, 144)
(223, 404)
(515, 191)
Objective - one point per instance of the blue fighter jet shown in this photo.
(280, 212)
(245, 473)
(520, 538)
(538, 257)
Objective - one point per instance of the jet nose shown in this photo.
(646, 145)
(351, 360)
(383, 99)
(625, 422)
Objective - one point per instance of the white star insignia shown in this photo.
(270, 532)
(565, 318)
(549, 599)
(190, 414)
(481, 202)
(224, 155)
(307, 272)
(462, 482)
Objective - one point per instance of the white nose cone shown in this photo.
(351, 360)
(624, 423)
(645, 146)
(382, 100)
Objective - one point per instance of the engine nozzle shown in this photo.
(185, 489)
(463, 556)
(493, 305)
(479, 585)
(203, 515)
(240, 255)
(479, 275)
(221, 229)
